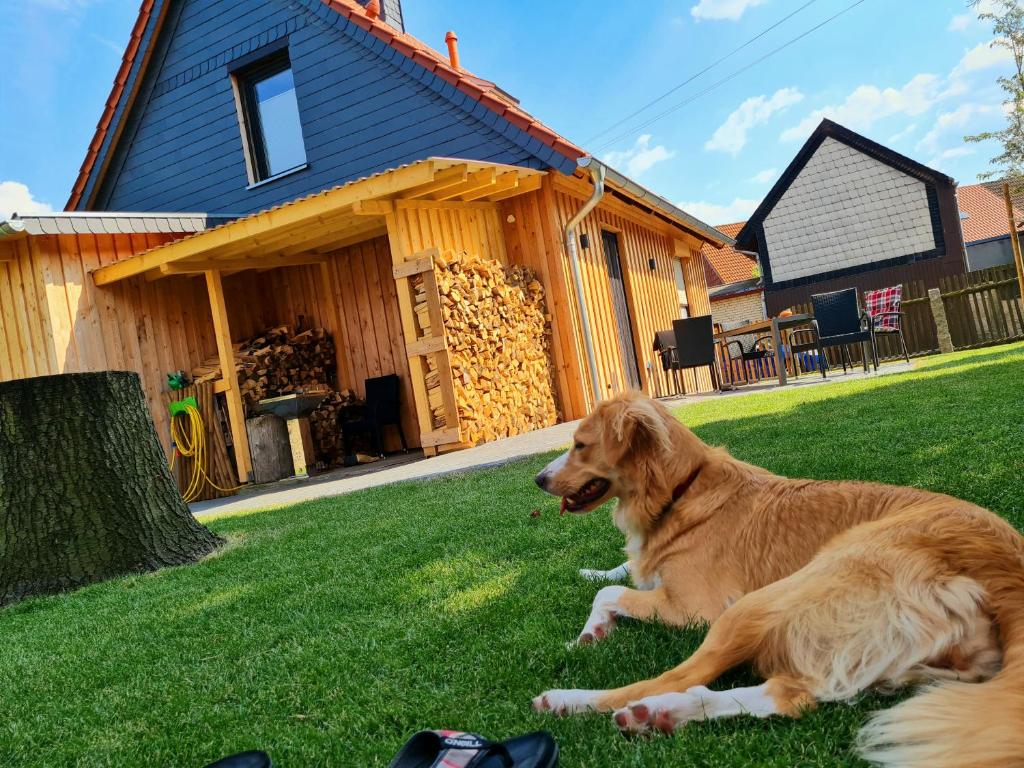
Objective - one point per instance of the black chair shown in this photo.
(383, 408)
(749, 349)
(695, 345)
(838, 321)
(665, 347)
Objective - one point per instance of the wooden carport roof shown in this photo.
(299, 232)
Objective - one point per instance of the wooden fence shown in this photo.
(983, 308)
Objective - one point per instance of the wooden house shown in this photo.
(849, 212)
(334, 157)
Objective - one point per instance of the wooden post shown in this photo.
(941, 322)
(1017, 259)
(226, 354)
(417, 371)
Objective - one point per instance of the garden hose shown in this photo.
(191, 444)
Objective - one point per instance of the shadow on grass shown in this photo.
(336, 628)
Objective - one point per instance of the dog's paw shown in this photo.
(615, 574)
(561, 702)
(666, 712)
(596, 630)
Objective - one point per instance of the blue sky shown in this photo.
(914, 74)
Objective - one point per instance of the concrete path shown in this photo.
(413, 466)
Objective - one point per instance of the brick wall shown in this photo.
(738, 309)
(846, 209)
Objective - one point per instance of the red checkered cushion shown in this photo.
(884, 300)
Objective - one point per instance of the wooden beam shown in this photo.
(526, 184)
(417, 263)
(504, 183)
(244, 231)
(195, 267)
(372, 207)
(443, 180)
(478, 180)
(333, 240)
(226, 355)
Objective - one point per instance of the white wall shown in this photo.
(846, 209)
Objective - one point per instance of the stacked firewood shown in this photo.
(498, 337)
(336, 409)
(279, 362)
(276, 363)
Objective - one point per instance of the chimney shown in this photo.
(373, 9)
(453, 48)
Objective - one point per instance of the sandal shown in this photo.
(455, 749)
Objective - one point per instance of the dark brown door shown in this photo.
(610, 242)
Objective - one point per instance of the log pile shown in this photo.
(276, 363)
(279, 362)
(498, 337)
(338, 407)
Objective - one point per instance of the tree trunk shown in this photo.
(85, 493)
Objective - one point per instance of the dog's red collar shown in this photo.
(680, 490)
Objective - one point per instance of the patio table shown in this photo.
(776, 325)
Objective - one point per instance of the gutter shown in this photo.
(597, 174)
(11, 227)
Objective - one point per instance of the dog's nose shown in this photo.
(541, 480)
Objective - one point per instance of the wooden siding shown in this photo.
(534, 239)
(364, 108)
(54, 320)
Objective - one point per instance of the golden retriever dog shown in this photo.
(826, 588)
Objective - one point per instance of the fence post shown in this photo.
(941, 324)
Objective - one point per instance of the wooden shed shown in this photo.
(157, 293)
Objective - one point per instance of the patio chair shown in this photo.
(695, 345)
(383, 409)
(748, 349)
(838, 321)
(883, 308)
(665, 348)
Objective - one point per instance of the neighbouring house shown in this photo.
(734, 281)
(848, 211)
(985, 225)
(336, 161)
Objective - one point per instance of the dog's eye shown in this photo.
(578, 446)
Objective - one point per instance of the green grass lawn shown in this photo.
(329, 632)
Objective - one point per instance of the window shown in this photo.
(270, 117)
(684, 304)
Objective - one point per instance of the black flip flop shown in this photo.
(455, 749)
(253, 759)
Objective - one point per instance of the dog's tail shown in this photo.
(957, 724)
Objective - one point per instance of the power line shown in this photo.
(694, 76)
(713, 86)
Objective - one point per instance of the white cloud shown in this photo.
(900, 135)
(15, 197)
(717, 10)
(712, 213)
(958, 118)
(641, 157)
(764, 176)
(948, 154)
(731, 136)
(868, 104)
(963, 21)
(981, 56)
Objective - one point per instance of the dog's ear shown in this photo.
(635, 427)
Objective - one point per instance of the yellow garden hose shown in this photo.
(191, 444)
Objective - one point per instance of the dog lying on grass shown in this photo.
(827, 588)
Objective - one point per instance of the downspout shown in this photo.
(597, 174)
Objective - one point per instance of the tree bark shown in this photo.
(85, 492)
